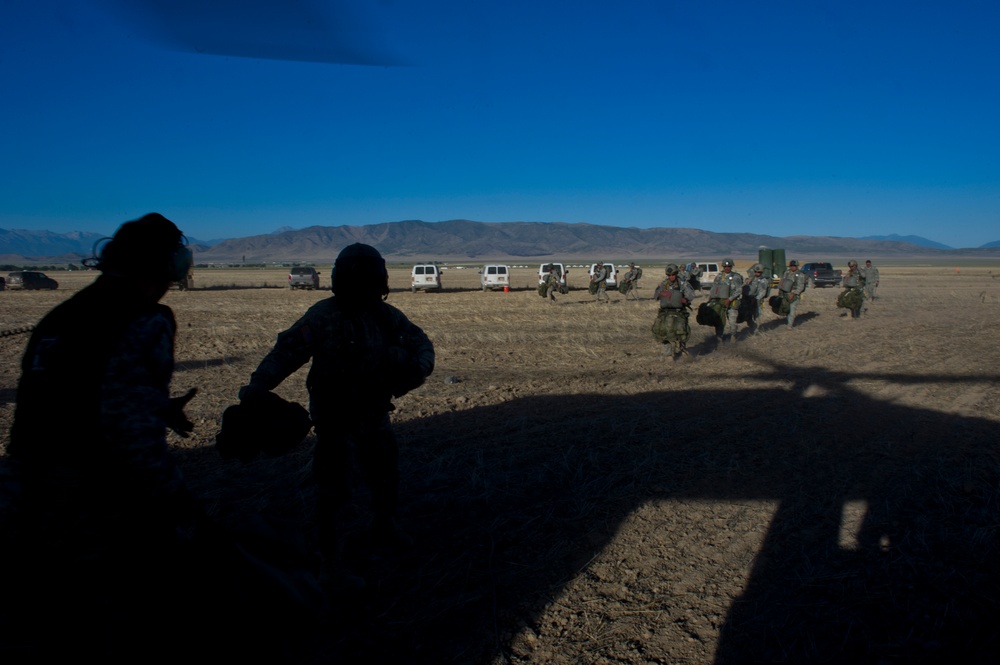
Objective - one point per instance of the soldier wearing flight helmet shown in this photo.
(364, 352)
(757, 288)
(671, 325)
(102, 499)
(724, 296)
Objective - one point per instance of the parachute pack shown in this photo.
(671, 325)
(851, 299)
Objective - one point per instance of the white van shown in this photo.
(612, 282)
(709, 271)
(425, 276)
(543, 271)
(494, 277)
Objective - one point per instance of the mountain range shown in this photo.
(469, 240)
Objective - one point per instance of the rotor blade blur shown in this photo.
(332, 31)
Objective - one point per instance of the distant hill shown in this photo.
(913, 240)
(464, 240)
(47, 243)
(995, 243)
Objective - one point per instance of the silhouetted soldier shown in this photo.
(364, 352)
(103, 507)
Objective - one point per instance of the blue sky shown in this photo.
(787, 118)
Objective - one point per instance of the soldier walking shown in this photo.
(724, 297)
(671, 325)
(871, 276)
(598, 283)
(853, 295)
(630, 282)
(551, 284)
(790, 288)
(757, 289)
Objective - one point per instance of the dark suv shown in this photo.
(29, 280)
(301, 277)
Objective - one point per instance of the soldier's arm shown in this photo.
(416, 341)
(134, 394)
(292, 350)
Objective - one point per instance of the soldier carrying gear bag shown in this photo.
(724, 300)
(364, 352)
(671, 325)
(790, 290)
(853, 295)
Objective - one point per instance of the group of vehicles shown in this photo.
(427, 276)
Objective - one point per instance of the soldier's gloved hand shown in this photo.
(174, 416)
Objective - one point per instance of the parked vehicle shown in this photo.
(303, 277)
(494, 277)
(821, 274)
(709, 271)
(543, 271)
(612, 281)
(425, 276)
(31, 280)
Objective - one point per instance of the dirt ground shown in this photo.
(829, 493)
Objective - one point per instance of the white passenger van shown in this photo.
(425, 276)
(494, 277)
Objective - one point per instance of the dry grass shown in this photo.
(829, 493)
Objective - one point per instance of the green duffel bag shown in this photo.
(711, 313)
(593, 288)
(542, 288)
(671, 325)
(851, 299)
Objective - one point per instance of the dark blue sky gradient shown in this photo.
(817, 118)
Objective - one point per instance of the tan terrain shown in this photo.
(829, 493)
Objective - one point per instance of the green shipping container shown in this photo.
(773, 261)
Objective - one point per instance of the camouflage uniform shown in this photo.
(852, 297)
(731, 304)
(759, 287)
(629, 281)
(791, 287)
(360, 361)
(551, 285)
(600, 278)
(671, 325)
(871, 276)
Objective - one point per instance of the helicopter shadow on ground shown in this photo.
(509, 502)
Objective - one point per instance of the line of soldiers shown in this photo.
(733, 300)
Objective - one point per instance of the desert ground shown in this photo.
(829, 493)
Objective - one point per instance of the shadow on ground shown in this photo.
(509, 502)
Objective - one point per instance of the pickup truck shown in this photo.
(821, 274)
